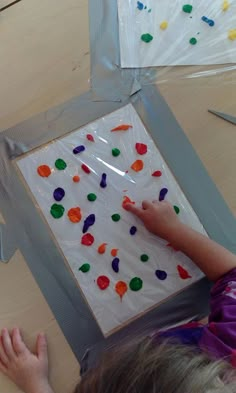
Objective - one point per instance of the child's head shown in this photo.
(150, 367)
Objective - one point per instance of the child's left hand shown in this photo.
(27, 370)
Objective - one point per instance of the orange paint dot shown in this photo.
(102, 248)
(44, 171)
(76, 179)
(137, 166)
(121, 288)
(126, 200)
(74, 214)
(114, 252)
(122, 127)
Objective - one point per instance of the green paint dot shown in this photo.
(57, 211)
(144, 257)
(136, 284)
(150, 10)
(115, 152)
(187, 8)
(115, 217)
(60, 164)
(85, 268)
(91, 197)
(177, 209)
(193, 41)
(146, 37)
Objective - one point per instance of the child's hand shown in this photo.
(158, 217)
(27, 370)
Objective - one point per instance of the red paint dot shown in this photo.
(90, 137)
(76, 179)
(183, 273)
(44, 171)
(157, 174)
(85, 168)
(141, 148)
(87, 239)
(126, 200)
(137, 166)
(103, 282)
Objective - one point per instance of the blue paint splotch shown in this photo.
(163, 194)
(140, 5)
(103, 182)
(161, 275)
(210, 22)
(115, 265)
(88, 222)
(133, 230)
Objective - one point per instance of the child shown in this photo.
(188, 359)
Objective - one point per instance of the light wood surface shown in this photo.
(44, 62)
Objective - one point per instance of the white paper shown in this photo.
(171, 46)
(109, 311)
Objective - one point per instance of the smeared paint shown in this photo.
(102, 248)
(85, 268)
(57, 211)
(85, 168)
(164, 25)
(161, 274)
(87, 239)
(146, 38)
(137, 166)
(114, 252)
(60, 164)
(121, 288)
(126, 200)
(225, 5)
(44, 171)
(90, 137)
(115, 152)
(183, 273)
(58, 194)
(176, 209)
(74, 214)
(103, 182)
(136, 284)
(210, 22)
(133, 230)
(103, 282)
(157, 174)
(91, 197)
(144, 257)
(115, 265)
(187, 8)
(122, 127)
(116, 217)
(141, 148)
(78, 149)
(232, 34)
(163, 194)
(76, 179)
(88, 222)
(193, 41)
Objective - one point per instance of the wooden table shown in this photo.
(44, 62)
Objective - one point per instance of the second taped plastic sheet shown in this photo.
(160, 275)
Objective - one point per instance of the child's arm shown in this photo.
(27, 370)
(161, 219)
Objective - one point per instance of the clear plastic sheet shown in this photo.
(110, 311)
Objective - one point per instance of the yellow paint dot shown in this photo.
(232, 34)
(225, 5)
(164, 25)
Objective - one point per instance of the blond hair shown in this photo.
(146, 366)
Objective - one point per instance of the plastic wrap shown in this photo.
(166, 271)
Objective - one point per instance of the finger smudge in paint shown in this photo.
(137, 166)
(87, 239)
(115, 265)
(85, 168)
(146, 37)
(183, 273)
(115, 217)
(114, 252)
(225, 5)
(85, 268)
(121, 288)
(122, 127)
(57, 211)
(157, 174)
(103, 182)
(88, 222)
(90, 137)
(74, 214)
(76, 179)
(60, 164)
(141, 148)
(133, 230)
(136, 284)
(103, 282)
(102, 248)
(78, 149)
(161, 274)
(58, 194)
(44, 171)
(91, 197)
(126, 200)
(163, 194)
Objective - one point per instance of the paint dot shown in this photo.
(176, 209)
(137, 166)
(146, 37)
(74, 214)
(232, 34)
(102, 248)
(121, 288)
(163, 194)
(115, 152)
(183, 273)
(150, 10)
(44, 171)
(144, 258)
(78, 149)
(122, 127)
(193, 41)
(115, 265)
(85, 168)
(103, 182)
(225, 5)
(85, 268)
(103, 282)
(58, 194)
(157, 174)
(126, 200)
(133, 230)
(116, 217)
(91, 197)
(161, 274)
(87, 239)
(90, 137)
(57, 211)
(164, 25)
(114, 252)
(76, 179)
(140, 5)
(211, 23)
(136, 284)
(88, 222)
(60, 164)
(187, 8)
(141, 148)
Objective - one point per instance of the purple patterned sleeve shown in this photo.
(219, 335)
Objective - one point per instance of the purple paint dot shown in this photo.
(78, 149)
(103, 182)
(88, 222)
(115, 265)
(161, 274)
(162, 194)
(58, 194)
(133, 230)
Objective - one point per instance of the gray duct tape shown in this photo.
(32, 236)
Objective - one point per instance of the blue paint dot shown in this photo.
(140, 5)
(58, 194)
(115, 265)
(133, 230)
(211, 23)
(163, 194)
(103, 182)
(161, 274)
(78, 149)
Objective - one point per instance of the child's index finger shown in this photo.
(137, 211)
